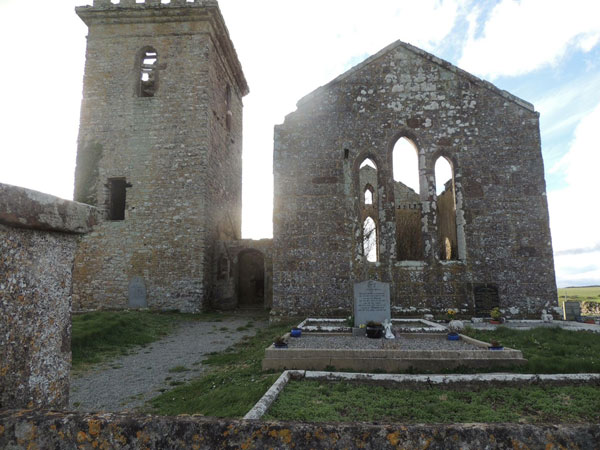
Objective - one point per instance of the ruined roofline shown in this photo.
(432, 58)
(128, 11)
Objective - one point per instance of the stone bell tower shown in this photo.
(159, 151)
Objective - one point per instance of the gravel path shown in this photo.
(128, 382)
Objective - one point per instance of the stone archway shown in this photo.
(251, 279)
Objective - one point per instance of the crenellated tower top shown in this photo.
(151, 3)
(126, 12)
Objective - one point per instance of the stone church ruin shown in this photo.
(159, 153)
(156, 220)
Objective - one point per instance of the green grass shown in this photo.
(548, 350)
(101, 335)
(234, 383)
(343, 402)
(579, 294)
(178, 369)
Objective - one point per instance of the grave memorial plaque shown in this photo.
(371, 302)
(571, 310)
(137, 293)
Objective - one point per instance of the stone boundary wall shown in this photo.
(57, 430)
(38, 238)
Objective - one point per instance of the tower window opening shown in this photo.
(116, 200)
(148, 73)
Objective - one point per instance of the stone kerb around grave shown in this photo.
(371, 302)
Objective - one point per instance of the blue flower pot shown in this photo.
(296, 332)
(453, 336)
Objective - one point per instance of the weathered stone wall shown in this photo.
(178, 151)
(39, 429)
(38, 237)
(492, 140)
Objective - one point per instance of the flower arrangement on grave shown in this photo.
(495, 345)
(374, 330)
(496, 316)
(450, 314)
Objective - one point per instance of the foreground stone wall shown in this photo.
(38, 238)
(39, 429)
(491, 139)
(178, 151)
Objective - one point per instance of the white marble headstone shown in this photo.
(371, 302)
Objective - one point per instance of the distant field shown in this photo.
(587, 293)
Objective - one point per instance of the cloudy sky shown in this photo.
(544, 51)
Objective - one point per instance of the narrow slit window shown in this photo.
(148, 73)
(370, 239)
(446, 209)
(117, 196)
(369, 195)
(229, 114)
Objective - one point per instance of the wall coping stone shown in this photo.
(66, 430)
(26, 208)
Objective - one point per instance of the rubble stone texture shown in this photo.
(496, 224)
(161, 132)
(56, 430)
(38, 238)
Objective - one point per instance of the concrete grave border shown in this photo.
(263, 405)
(389, 360)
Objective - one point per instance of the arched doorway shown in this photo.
(251, 282)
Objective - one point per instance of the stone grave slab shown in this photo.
(137, 293)
(371, 302)
(571, 310)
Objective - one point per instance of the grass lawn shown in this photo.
(101, 335)
(548, 350)
(310, 400)
(580, 294)
(234, 383)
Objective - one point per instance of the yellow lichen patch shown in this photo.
(518, 445)
(143, 437)
(319, 434)
(94, 427)
(81, 437)
(285, 435)
(3, 371)
(394, 438)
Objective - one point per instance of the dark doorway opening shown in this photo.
(251, 285)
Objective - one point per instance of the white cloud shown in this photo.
(522, 36)
(288, 49)
(574, 212)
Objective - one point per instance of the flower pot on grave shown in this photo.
(280, 344)
(495, 322)
(453, 336)
(496, 347)
(296, 332)
(374, 332)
